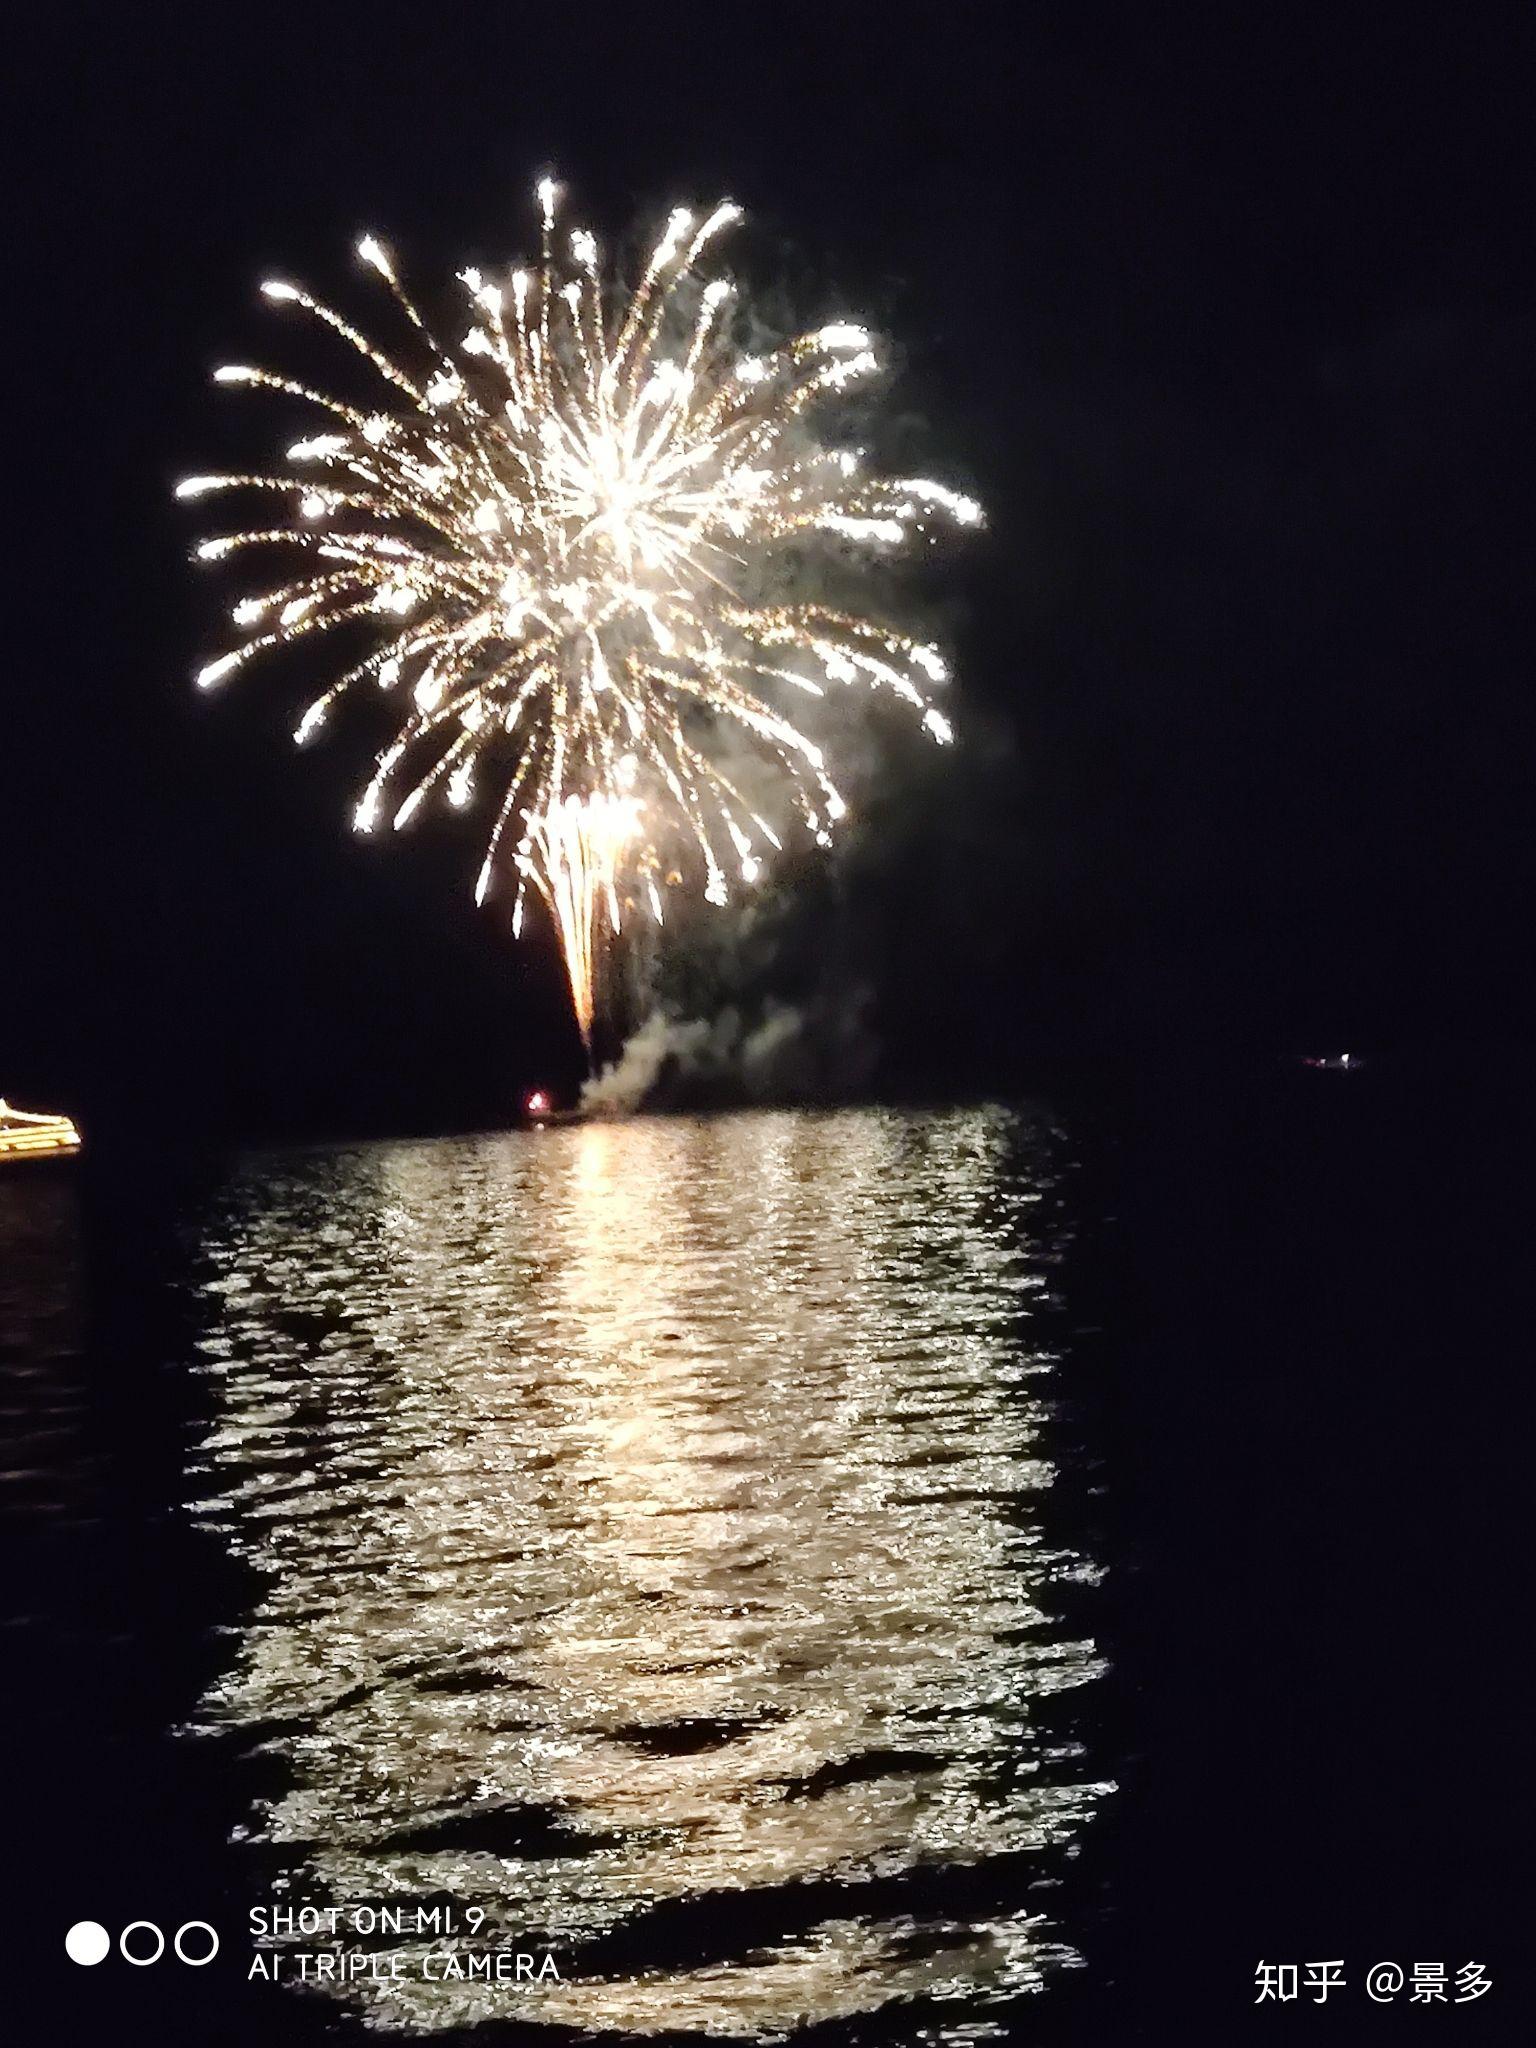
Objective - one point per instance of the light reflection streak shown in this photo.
(654, 1515)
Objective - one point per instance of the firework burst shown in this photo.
(556, 535)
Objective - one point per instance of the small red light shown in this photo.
(537, 1103)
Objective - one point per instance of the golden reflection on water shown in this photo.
(651, 1515)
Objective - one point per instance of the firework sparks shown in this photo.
(554, 535)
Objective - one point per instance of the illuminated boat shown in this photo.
(27, 1136)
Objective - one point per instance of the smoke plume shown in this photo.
(817, 1053)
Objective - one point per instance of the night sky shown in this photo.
(1229, 326)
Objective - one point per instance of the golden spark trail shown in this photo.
(557, 534)
(573, 861)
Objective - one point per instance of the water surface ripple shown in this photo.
(654, 1529)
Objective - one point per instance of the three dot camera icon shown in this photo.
(141, 1943)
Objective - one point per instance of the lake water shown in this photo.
(654, 1544)
(738, 1556)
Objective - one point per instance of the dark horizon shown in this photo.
(1230, 331)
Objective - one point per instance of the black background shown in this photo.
(1228, 320)
(1227, 316)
